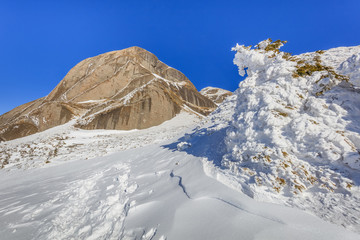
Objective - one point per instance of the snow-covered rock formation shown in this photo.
(296, 129)
(291, 132)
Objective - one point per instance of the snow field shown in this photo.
(155, 193)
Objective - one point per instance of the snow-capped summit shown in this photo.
(126, 89)
(218, 95)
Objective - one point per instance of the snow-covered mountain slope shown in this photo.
(65, 143)
(291, 135)
(153, 192)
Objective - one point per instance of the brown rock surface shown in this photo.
(124, 89)
(217, 95)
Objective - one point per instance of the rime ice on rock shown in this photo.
(295, 130)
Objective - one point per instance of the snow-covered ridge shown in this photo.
(291, 134)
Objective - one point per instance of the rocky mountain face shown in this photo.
(217, 95)
(126, 89)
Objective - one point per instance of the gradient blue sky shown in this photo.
(40, 41)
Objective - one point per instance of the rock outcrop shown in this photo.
(126, 89)
(217, 95)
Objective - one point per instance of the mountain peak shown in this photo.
(122, 89)
(217, 95)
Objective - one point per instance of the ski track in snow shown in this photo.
(78, 211)
(106, 219)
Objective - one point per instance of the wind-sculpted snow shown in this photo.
(295, 134)
(351, 67)
(147, 193)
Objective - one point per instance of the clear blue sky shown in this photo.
(40, 41)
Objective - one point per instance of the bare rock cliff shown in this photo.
(124, 89)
